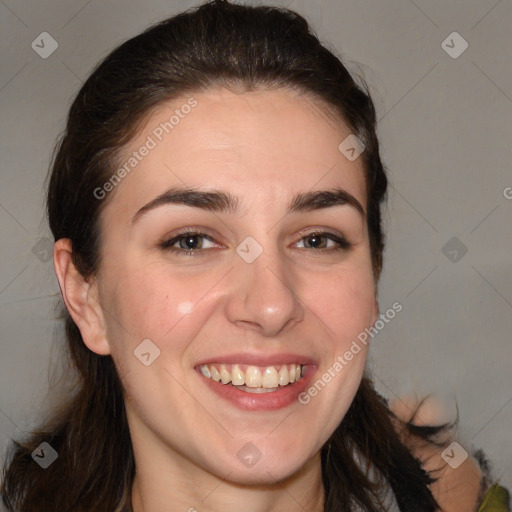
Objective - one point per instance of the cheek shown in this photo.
(344, 302)
(149, 302)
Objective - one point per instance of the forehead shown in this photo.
(269, 143)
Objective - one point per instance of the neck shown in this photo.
(179, 486)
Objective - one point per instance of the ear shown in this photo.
(81, 298)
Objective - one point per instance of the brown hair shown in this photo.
(216, 44)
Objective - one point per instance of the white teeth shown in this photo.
(270, 378)
(256, 390)
(225, 376)
(254, 377)
(215, 374)
(283, 376)
(237, 377)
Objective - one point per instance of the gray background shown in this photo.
(445, 130)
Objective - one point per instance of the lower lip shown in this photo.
(270, 401)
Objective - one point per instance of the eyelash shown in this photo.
(343, 243)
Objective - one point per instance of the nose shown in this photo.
(262, 296)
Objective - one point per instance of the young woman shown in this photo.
(215, 202)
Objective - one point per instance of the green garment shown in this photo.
(495, 500)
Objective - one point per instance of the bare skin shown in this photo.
(264, 147)
(312, 301)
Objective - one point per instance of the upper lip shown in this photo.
(258, 359)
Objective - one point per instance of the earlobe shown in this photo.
(81, 298)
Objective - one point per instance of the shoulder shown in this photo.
(459, 483)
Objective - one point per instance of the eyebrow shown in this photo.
(221, 201)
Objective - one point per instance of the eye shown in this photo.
(187, 242)
(315, 241)
(192, 243)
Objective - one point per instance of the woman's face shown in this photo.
(271, 283)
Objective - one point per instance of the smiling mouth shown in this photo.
(254, 379)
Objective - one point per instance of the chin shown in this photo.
(263, 474)
(268, 466)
